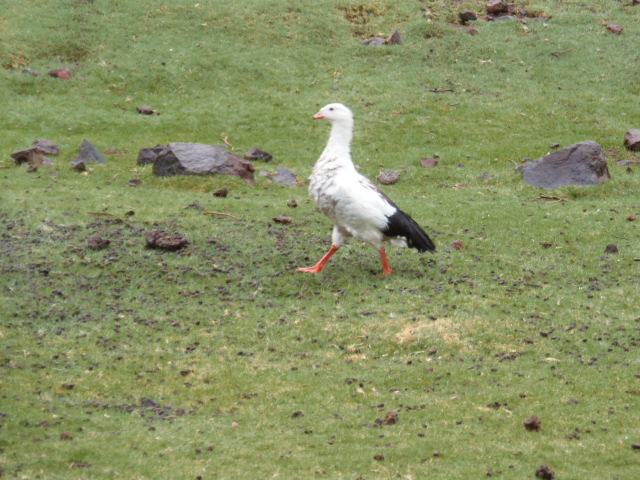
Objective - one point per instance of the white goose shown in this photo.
(354, 204)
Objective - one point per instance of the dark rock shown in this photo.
(257, 154)
(195, 158)
(145, 110)
(388, 177)
(282, 219)
(583, 163)
(632, 139)
(283, 176)
(88, 154)
(611, 248)
(80, 166)
(98, 243)
(62, 73)
(467, 15)
(391, 418)
(149, 403)
(166, 241)
(134, 182)
(497, 7)
(149, 154)
(533, 423)
(545, 473)
(635, 446)
(221, 192)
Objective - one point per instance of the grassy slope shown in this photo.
(228, 338)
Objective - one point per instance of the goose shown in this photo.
(356, 206)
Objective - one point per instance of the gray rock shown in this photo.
(88, 154)
(283, 176)
(394, 39)
(179, 158)
(583, 163)
(632, 139)
(149, 154)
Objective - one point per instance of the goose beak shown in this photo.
(318, 115)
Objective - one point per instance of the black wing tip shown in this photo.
(402, 225)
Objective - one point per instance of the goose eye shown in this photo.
(331, 109)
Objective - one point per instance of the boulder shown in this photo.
(583, 163)
(632, 139)
(179, 158)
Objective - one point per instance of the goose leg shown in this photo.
(386, 269)
(320, 265)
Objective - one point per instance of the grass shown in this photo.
(222, 361)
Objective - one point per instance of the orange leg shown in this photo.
(386, 269)
(320, 265)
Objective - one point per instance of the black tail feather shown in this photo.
(402, 225)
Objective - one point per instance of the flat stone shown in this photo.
(583, 163)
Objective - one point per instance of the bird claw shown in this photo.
(314, 269)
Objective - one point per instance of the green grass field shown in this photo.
(222, 361)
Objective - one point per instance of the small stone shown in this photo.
(98, 243)
(166, 241)
(497, 7)
(292, 203)
(297, 414)
(467, 15)
(257, 154)
(379, 457)
(145, 110)
(221, 192)
(428, 162)
(388, 177)
(283, 176)
(391, 418)
(62, 73)
(545, 473)
(282, 219)
(615, 28)
(611, 248)
(394, 39)
(635, 446)
(457, 245)
(533, 423)
(631, 218)
(632, 139)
